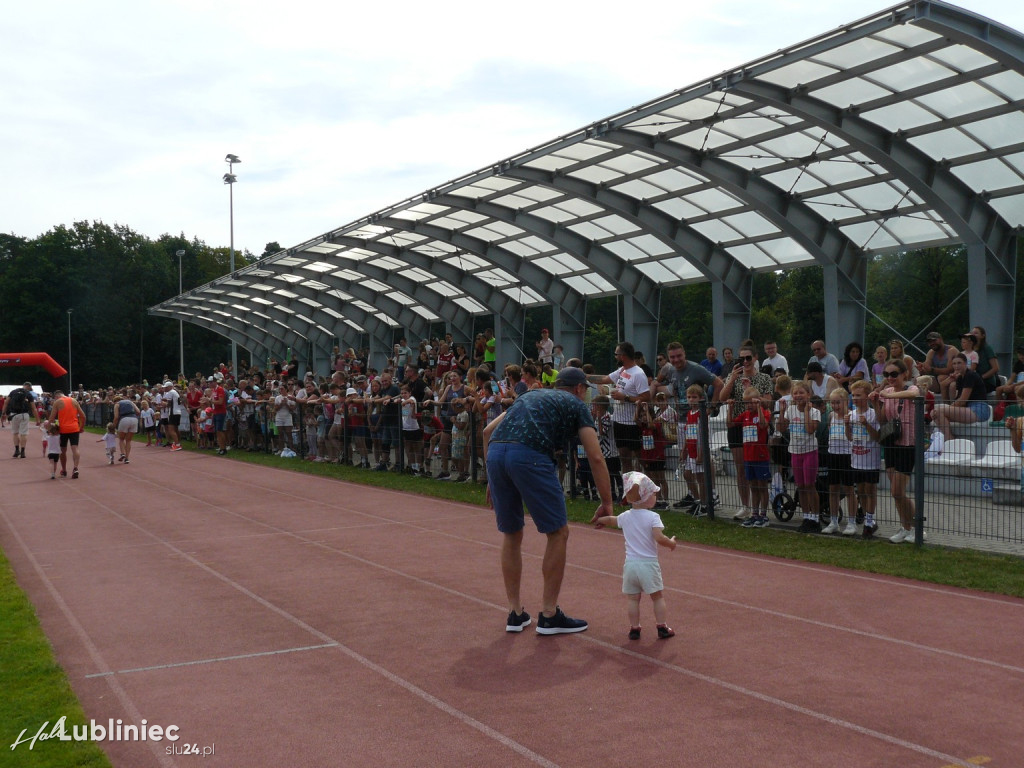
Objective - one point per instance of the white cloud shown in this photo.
(123, 111)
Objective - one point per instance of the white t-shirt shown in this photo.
(638, 530)
(864, 452)
(777, 361)
(174, 402)
(147, 417)
(799, 439)
(632, 382)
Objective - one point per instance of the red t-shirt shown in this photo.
(691, 433)
(220, 400)
(755, 435)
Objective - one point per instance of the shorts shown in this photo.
(174, 419)
(735, 436)
(981, 410)
(389, 434)
(458, 447)
(412, 435)
(693, 466)
(900, 458)
(642, 575)
(839, 470)
(150, 429)
(519, 476)
(626, 436)
(53, 456)
(19, 423)
(219, 420)
(658, 465)
(869, 476)
(68, 438)
(758, 470)
(128, 424)
(805, 467)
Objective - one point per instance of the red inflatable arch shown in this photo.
(41, 359)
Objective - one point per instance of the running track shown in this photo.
(288, 620)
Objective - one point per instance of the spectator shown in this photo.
(801, 421)
(754, 420)
(728, 360)
(988, 363)
(938, 363)
(897, 352)
(742, 376)
(773, 358)
(711, 362)
(865, 458)
(490, 346)
(558, 357)
(545, 348)
(969, 347)
(965, 398)
(877, 375)
(854, 367)
(840, 471)
(630, 387)
(220, 415)
(1008, 390)
(890, 403)
(828, 362)
(821, 385)
(679, 374)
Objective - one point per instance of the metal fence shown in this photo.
(967, 495)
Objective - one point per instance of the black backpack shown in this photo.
(18, 401)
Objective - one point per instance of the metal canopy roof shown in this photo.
(900, 131)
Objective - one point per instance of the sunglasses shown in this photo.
(892, 374)
(746, 358)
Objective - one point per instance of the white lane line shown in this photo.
(131, 710)
(213, 661)
(469, 720)
(776, 702)
(427, 697)
(617, 575)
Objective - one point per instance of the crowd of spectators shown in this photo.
(425, 410)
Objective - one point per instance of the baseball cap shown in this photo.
(167, 384)
(571, 377)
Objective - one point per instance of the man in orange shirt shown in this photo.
(70, 417)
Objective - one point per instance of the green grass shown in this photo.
(35, 689)
(1001, 574)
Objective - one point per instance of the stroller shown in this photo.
(784, 505)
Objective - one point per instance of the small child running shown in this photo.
(642, 530)
(109, 440)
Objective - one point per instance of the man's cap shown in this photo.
(933, 336)
(813, 367)
(571, 377)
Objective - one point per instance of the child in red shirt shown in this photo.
(755, 420)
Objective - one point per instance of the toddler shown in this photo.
(109, 440)
(642, 529)
(51, 445)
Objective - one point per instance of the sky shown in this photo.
(123, 112)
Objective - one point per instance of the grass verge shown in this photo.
(35, 689)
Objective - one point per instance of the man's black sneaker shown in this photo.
(699, 510)
(559, 624)
(809, 526)
(869, 531)
(517, 622)
(686, 501)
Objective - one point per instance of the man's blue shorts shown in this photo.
(518, 476)
(220, 422)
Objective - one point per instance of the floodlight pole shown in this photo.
(230, 179)
(181, 323)
(70, 387)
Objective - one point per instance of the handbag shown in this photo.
(891, 432)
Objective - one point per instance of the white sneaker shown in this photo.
(910, 536)
(743, 514)
(831, 527)
(850, 529)
(901, 535)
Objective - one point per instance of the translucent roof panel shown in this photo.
(884, 132)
